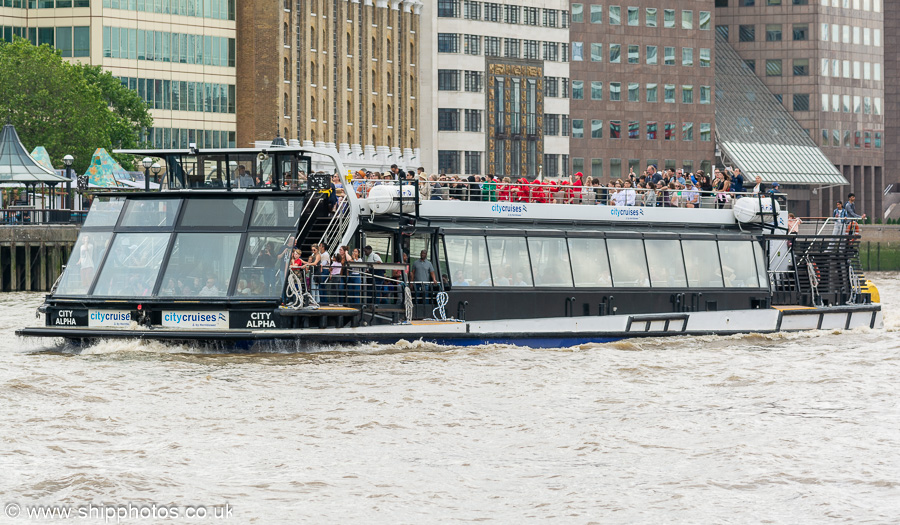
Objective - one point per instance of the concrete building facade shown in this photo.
(642, 86)
(823, 60)
(178, 55)
(494, 87)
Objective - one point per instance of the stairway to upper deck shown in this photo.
(828, 269)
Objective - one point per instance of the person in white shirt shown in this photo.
(627, 196)
(210, 289)
(371, 256)
(690, 196)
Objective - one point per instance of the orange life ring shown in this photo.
(853, 228)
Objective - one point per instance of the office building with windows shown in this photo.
(822, 60)
(642, 86)
(333, 72)
(494, 87)
(179, 55)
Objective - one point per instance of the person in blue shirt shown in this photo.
(737, 182)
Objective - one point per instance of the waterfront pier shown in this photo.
(32, 256)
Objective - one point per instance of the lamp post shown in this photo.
(155, 168)
(68, 160)
(147, 162)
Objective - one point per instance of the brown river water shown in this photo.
(786, 428)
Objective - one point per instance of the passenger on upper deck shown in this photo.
(850, 208)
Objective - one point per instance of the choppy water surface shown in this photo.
(797, 428)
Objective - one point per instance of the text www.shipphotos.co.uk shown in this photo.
(115, 513)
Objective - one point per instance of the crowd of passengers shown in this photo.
(665, 188)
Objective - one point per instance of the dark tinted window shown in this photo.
(276, 213)
(226, 213)
(147, 213)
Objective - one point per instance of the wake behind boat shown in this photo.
(211, 258)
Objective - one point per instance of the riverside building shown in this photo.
(823, 62)
(642, 86)
(179, 55)
(338, 73)
(495, 87)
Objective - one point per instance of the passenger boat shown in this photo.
(203, 260)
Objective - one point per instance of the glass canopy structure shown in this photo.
(757, 134)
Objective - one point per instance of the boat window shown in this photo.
(509, 259)
(104, 212)
(151, 213)
(225, 212)
(467, 260)
(85, 259)
(701, 260)
(382, 245)
(628, 263)
(761, 267)
(276, 213)
(738, 265)
(200, 265)
(590, 263)
(417, 243)
(261, 264)
(666, 263)
(550, 261)
(132, 265)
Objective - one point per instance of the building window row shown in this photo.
(161, 46)
(69, 41)
(833, 67)
(859, 5)
(653, 92)
(178, 138)
(219, 9)
(652, 130)
(617, 168)
(505, 13)
(859, 139)
(556, 87)
(851, 104)
(45, 4)
(652, 17)
(178, 95)
(449, 120)
(631, 54)
(839, 34)
(495, 46)
(751, 3)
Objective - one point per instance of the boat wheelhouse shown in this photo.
(207, 258)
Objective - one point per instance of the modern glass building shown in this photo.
(179, 55)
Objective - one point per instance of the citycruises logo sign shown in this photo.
(109, 319)
(201, 320)
(509, 209)
(633, 214)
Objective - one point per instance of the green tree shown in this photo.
(69, 109)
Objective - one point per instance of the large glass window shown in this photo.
(83, 264)
(590, 264)
(227, 213)
(275, 213)
(200, 265)
(702, 264)
(509, 261)
(550, 261)
(666, 263)
(132, 265)
(151, 213)
(628, 263)
(104, 212)
(738, 264)
(468, 261)
(261, 264)
(761, 267)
